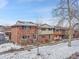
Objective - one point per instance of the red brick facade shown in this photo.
(26, 34)
(19, 33)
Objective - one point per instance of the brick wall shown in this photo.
(17, 34)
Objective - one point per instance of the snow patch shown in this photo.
(8, 46)
(59, 51)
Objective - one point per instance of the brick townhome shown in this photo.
(59, 33)
(45, 33)
(23, 31)
(26, 32)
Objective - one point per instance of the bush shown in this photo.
(23, 42)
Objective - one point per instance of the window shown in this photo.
(43, 36)
(34, 36)
(57, 30)
(23, 27)
(50, 28)
(49, 36)
(54, 29)
(43, 29)
(25, 37)
(26, 27)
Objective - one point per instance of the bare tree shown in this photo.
(68, 10)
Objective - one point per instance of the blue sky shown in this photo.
(26, 10)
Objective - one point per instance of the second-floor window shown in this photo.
(26, 27)
(43, 29)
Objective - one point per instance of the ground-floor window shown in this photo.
(25, 37)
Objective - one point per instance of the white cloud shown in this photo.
(3, 3)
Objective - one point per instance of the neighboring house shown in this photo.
(23, 31)
(3, 38)
(8, 32)
(2, 28)
(45, 32)
(76, 34)
(27, 32)
(59, 33)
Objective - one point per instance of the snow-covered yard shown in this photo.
(59, 51)
(7, 46)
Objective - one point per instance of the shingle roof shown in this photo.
(45, 26)
(23, 23)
